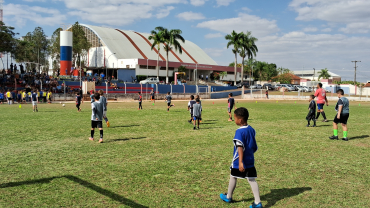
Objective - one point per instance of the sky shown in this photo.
(294, 34)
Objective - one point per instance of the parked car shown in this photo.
(277, 86)
(151, 80)
(245, 84)
(269, 86)
(257, 86)
(288, 87)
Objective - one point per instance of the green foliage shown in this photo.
(348, 82)
(37, 50)
(54, 44)
(324, 73)
(7, 36)
(222, 74)
(285, 78)
(80, 43)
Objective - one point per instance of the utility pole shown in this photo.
(313, 78)
(355, 75)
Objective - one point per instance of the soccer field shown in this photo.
(153, 158)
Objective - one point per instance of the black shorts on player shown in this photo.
(96, 124)
(343, 118)
(248, 173)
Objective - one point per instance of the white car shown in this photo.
(151, 80)
(257, 86)
(288, 87)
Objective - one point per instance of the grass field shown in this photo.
(153, 158)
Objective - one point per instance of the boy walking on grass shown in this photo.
(231, 103)
(168, 101)
(242, 165)
(152, 96)
(200, 102)
(104, 101)
(342, 116)
(190, 107)
(97, 117)
(35, 100)
(197, 112)
(311, 111)
(140, 101)
(78, 102)
(9, 97)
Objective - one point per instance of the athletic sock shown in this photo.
(101, 134)
(308, 122)
(317, 115)
(345, 134)
(255, 190)
(323, 115)
(314, 122)
(232, 185)
(106, 119)
(92, 133)
(336, 132)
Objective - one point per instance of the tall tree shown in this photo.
(247, 48)
(171, 41)
(233, 39)
(157, 40)
(39, 51)
(80, 43)
(324, 73)
(251, 64)
(7, 37)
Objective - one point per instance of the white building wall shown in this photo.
(96, 57)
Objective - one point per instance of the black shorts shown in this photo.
(10, 98)
(248, 173)
(96, 124)
(78, 106)
(310, 116)
(152, 97)
(343, 118)
(169, 104)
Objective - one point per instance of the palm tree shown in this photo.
(324, 73)
(170, 39)
(157, 40)
(247, 48)
(233, 39)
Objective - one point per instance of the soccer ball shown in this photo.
(64, 105)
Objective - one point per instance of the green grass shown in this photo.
(153, 158)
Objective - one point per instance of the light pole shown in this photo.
(106, 74)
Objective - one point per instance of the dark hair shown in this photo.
(340, 91)
(312, 96)
(320, 85)
(78, 93)
(168, 93)
(242, 113)
(231, 94)
(192, 97)
(101, 92)
(197, 100)
(97, 96)
(139, 93)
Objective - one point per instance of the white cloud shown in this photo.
(326, 30)
(246, 9)
(188, 16)
(213, 35)
(310, 29)
(164, 12)
(198, 2)
(224, 2)
(21, 14)
(353, 13)
(244, 22)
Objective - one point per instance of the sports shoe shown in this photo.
(37, 110)
(308, 125)
(325, 120)
(345, 139)
(100, 140)
(194, 128)
(225, 199)
(189, 121)
(91, 139)
(314, 125)
(259, 205)
(108, 124)
(333, 137)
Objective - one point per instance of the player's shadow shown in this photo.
(207, 123)
(123, 126)
(323, 125)
(359, 137)
(123, 139)
(211, 128)
(84, 183)
(279, 194)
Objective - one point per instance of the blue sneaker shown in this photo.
(259, 205)
(225, 199)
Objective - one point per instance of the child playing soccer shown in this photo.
(9, 97)
(200, 102)
(231, 103)
(92, 94)
(267, 94)
(152, 96)
(97, 117)
(50, 94)
(140, 101)
(1, 97)
(190, 107)
(168, 101)
(242, 165)
(197, 112)
(35, 100)
(104, 101)
(24, 96)
(78, 102)
(311, 111)
(342, 116)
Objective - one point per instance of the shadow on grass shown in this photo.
(123, 126)
(359, 137)
(125, 139)
(84, 183)
(279, 194)
(207, 123)
(323, 125)
(211, 128)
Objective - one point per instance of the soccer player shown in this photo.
(140, 101)
(152, 96)
(197, 112)
(321, 99)
(200, 102)
(342, 116)
(242, 165)
(1, 97)
(9, 97)
(190, 107)
(97, 117)
(50, 95)
(78, 102)
(35, 100)
(311, 111)
(104, 101)
(44, 96)
(24, 96)
(267, 94)
(231, 103)
(92, 94)
(168, 101)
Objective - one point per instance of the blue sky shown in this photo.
(295, 34)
